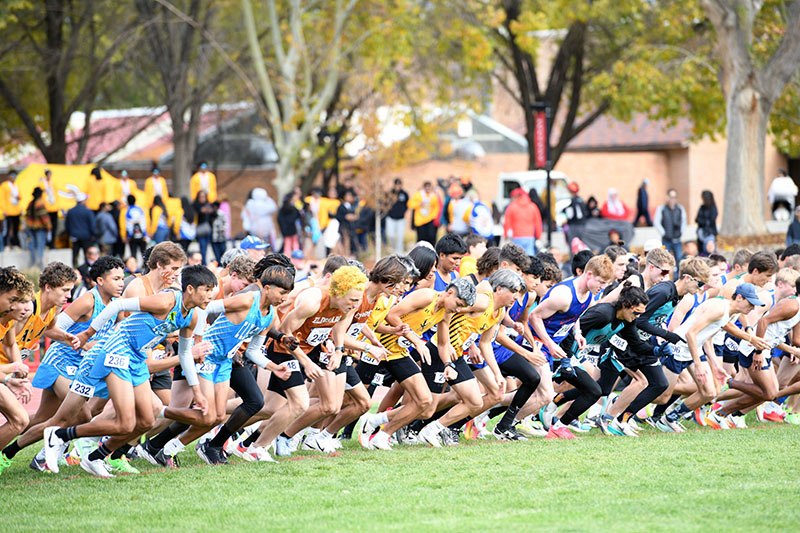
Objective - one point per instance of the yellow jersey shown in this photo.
(419, 321)
(469, 265)
(464, 330)
(28, 338)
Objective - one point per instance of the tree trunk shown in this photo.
(181, 162)
(285, 180)
(748, 111)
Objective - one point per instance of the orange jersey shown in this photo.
(317, 328)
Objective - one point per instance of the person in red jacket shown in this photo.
(523, 221)
(614, 208)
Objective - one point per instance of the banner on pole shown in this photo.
(540, 139)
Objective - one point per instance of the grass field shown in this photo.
(703, 480)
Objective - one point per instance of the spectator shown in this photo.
(194, 258)
(537, 200)
(690, 249)
(11, 207)
(124, 187)
(346, 215)
(396, 217)
(481, 221)
(458, 211)
(158, 228)
(576, 212)
(225, 209)
(116, 211)
(614, 208)
(219, 232)
(425, 205)
(592, 207)
(706, 220)
(203, 180)
(107, 230)
(781, 194)
(523, 222)
(131, 266)
(255, 247)
(365, 224)
(187, 229)
(258, 213)
(615, 239)
(550, 213)
(204, 214)
(135, 226)
(289, 222)
(643, 204)
(80, 223)
(670, 221)
(37, 223)
(154, 186)
(92, 255)
(49, 196)
(793, 234)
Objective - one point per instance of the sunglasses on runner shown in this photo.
(699, 283)
(664, 271)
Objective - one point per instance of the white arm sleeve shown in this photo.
(216, 307)
(254, 352)
(200, 327)
(113, 309)
(187, 361)
(64, 321)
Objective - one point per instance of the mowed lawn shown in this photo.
(703, 480)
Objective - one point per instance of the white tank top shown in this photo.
(778, 330)
(681, 351)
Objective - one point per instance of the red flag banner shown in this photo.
(540, 139)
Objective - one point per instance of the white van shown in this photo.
(534, 179)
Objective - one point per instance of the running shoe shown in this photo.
(736, 422)
(380, 441)
(547, 413)
(560, 433)
(85, 445)
(210, 434)
(53, 448)
(98, 467)
(411, 437)
(716, 420)
(605, 423)
(508, 433)
(296, 441)
(282, 448)
(147, 452)
(482, 423)
(367, 428)
(449, 437)
(773, 416)
(73, 458)
(700, 415)
(212, 455)
(470, 431)
(531, 428)
(335, 443)
(259, 454)
(592, 421)
(760, 413)
(627, 430)
(167, 461)
(430, 436)
(576, 425)
(122, 466)
(230, 446)
(633, 425)
(241, 451)
(663, 425)
(615, 428)
(317, 443)
(5, 462)
(38, 464)
(650, 421)
(792, 418)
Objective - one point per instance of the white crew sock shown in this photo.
(324, 434)
(173, 447)
(380, 418)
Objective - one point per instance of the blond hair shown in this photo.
(660, 258)
(346, 279)
(695, 267)
(787, 275)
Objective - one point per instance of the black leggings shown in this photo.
(245, 385)
(583, 396)
(656, 385)
(608, 377)
(522, 369)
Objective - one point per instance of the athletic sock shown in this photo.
(559, 398)
(460, 424)
(11, 450)
(677, 413)
(66, 434)
(101, 453)
(252, 438)
(222, 435)
(496, 411)
(659, 411)
(170, 432)
(174, 447)
(380, 419)
(324, 434)
(122, 450)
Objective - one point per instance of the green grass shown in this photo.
(703, 480)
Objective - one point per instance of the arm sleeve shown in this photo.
(64, 321)
(113, 309)
(200, 327)
(659, 296)
(254, 352)
(216, 307)
(187, 361)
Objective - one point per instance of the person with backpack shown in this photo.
(135, 226)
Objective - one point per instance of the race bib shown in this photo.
(438, 377)
(469, 342)
(205, 367)
(71, 370)
(159, 354)
(348, 361)
(403, 342)
(317, 336)
(117, 361)
(323, 358)
(25, 353)
(80, 389)
(152, 344)
(680, 352)
(293, 365)
(377, 380)
(367, 358)
(562, 331)
(745, 348)
(731, 344)
(618, 342)
(355, 330)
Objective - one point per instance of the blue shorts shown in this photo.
(501, 353)
(134, 372)
(746, 361)
(46, 375)
(221, 371)
(675, 366)
(719, 350)
(85, 385)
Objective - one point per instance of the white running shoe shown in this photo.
(368, 427)
(380, 441)
(430, 436)
(336, 443)
(547, 413)
(317, 443)
(53, 448)
(633, 425)
(259, 454)
(628, 430)
(530, 428)
(98, 467)
(736, 422)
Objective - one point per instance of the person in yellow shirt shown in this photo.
(323, 207)
(426, 206)
(12, 207)
(124, 187)
(155, 185)
(476, 246)
(46, 184)
(203, 180)
(158, 227)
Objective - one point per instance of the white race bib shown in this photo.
(438, 377)
(82, 390)
(25, 353)
(233, 351)
(117, 361)
(377, 380)
(71, 370)
(745, 348)
(367, 358)
(205, 367)
(680, 352)
(323, 358)
(731, 344)
(403, 342)
(618, 342)
(355, 329)
(562, 331)
(469, 342)
(317, 336)
(293, 365)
